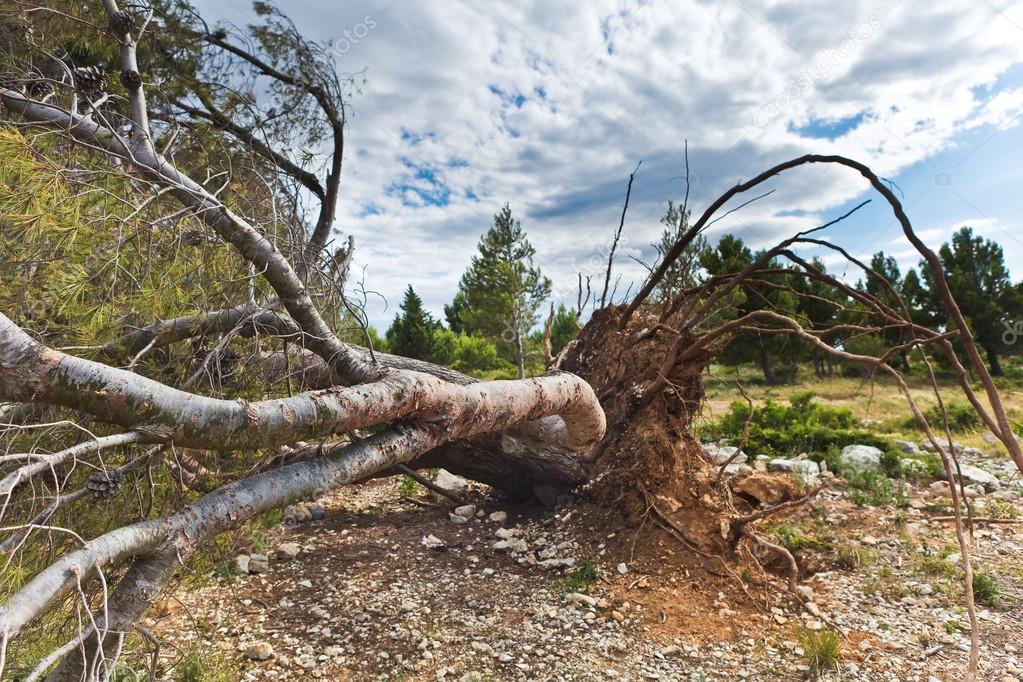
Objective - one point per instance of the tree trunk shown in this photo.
(520, 354)
(994, 363)
(765, 365)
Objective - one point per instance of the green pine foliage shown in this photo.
(411, 334)
(502, 290)
(564, 328)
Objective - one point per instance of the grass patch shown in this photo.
(872, 488)
(1000, 509)
(581, 579)
(986, 589)
(794, 539)
(853, 556)
(820, 649)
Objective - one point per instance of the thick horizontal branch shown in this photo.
(30, 371)
(487, 411)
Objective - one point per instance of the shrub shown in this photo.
(961, 418)
(820, 649)
(475, 354)
(986, 589)
(778, 430)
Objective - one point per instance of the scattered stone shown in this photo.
(258, 651)
(466, 511)
(804, 467)
(297, 513)
(514, 545)
(241, 563)
(622, 568)
(432, 542)
(316, 512)
(860, 457)
(450, 482)
(288, 551)
(457, 519)
(258, 563)
(805, 591)
(498, 516)
(721, 454)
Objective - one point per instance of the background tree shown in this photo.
(819, 307)
(501, 291)
(564, 328)
(684, 272)
(413, 330)
(979, 280)
(886, 267)
(771, 291)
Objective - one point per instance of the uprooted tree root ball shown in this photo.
(615, 415)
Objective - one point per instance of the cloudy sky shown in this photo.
(550, 104)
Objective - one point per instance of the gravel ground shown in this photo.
(383, 588)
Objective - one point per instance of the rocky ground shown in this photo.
(369, 585)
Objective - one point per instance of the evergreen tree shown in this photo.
(500, 293)
(819, 308)
(684, 272)
(731, 256)
(979, 280)
(564, 328)
(887, 267)
(412, 332)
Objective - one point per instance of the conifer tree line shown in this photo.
(493, 322)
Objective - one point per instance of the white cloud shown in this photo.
(549, 105)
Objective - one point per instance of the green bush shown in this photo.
(778, 430)
(961, 418)
(986, 589)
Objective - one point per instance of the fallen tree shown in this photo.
(615, 412)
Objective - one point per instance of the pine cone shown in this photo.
(90, 82)
(131, 80)
(103, 485)
(38, 85)
(121, 22)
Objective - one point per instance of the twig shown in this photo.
(618, 234)
(427, 483)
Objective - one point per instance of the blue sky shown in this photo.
(549, 105)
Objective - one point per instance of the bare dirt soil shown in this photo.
(390, 588)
